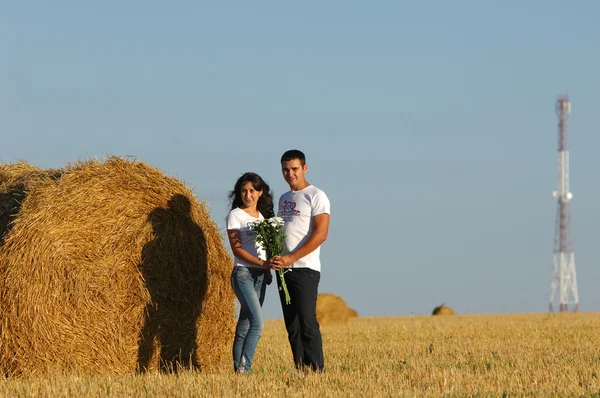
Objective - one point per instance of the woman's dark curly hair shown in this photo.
(265, 202)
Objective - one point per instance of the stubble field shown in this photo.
(498, 355)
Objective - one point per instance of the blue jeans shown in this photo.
(249, 287)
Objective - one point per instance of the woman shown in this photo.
(251, 201)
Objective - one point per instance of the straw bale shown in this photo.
(16, 181)
(332, 309)
(112, 268)
(442, 310)
(352, 313)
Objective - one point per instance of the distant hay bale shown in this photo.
(16, 180)
(442, 310)
(332, 309)
(112, 268)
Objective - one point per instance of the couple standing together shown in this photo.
(305, 210)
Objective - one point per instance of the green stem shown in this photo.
(288, 300)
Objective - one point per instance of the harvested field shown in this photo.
(462, 355)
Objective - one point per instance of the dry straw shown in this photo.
(442, 310)
(111, 267)
(16, 180)
(332, 309)
(352, 313)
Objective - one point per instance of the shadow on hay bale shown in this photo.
(16, 180)
(332, 309)
(169, 283)
(113, 268)
(442, 310)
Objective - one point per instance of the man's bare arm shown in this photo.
(319, 235)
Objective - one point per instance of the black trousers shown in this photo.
(301, 316)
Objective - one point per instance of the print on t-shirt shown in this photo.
(289, 211)
(247, 228)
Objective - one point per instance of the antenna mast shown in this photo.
(564, 279)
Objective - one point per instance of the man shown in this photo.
(305, 210)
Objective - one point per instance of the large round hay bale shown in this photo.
(332, 309)
(352, 313)
(16, 180)
(442, 310)
(113, 268)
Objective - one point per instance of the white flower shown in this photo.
(276, 221)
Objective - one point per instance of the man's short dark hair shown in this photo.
(293, 154)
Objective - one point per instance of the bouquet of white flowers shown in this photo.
(269, 234)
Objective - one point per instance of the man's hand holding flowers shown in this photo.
(282, 261)
(270, 263)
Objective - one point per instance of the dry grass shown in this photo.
(499, 355)
(108, 267)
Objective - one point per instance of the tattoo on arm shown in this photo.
(234, 238)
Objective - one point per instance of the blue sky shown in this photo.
(429, 124)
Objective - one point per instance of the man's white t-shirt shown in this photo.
(297, 208)
(238, 219)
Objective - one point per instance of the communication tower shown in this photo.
(564, 279)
